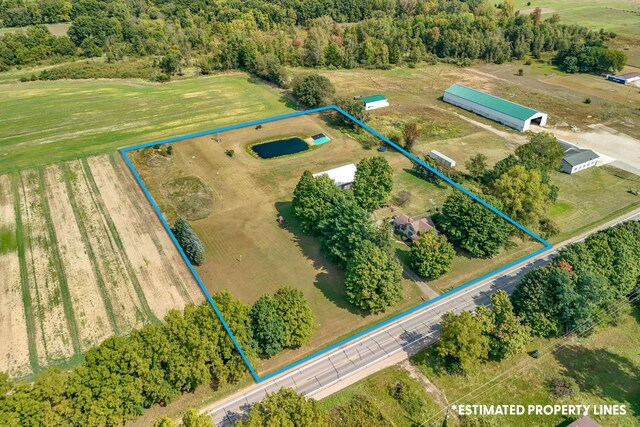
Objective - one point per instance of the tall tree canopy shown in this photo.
(431, 255)
(544, 149)
(374, 182)
(313, 200)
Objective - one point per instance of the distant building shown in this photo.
(576, 160)
(374, 101)
(624, 78)
(441, 158)
(342, 176)
(492, 107)
(320, 138)
(412, 228)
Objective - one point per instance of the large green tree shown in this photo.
(345, 228)
(296, 315)
(507, 335)
(373, 278)
(267, 325)
(524, 196)
(473, 226)
(313, 90)
(374, 182)
(285, 408)
(189, 241)
(313, 199)
(544, 149)
(462, 344)
(432, 254)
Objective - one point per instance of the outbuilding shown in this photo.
(624, 78)
(342, 176)
(492, 107)
(442, 159)
(374, 101)
(576, 160)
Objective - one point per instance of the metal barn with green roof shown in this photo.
(492, 107)
(374, 101)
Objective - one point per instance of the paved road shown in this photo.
(406, 335)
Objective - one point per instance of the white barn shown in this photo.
(492, 107)
(576, 160)
(441, 158)
(374, 101)
(343, 176)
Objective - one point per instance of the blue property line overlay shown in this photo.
(255, 375)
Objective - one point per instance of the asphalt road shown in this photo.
(408, 335)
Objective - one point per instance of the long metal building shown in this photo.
(492, 107)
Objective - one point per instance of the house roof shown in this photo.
(341, 175)
(585, 421)
(577, 158)
(629, 75)
(423, 224)
(373, 98)
(493, 102)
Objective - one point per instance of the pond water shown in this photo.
(280, 147)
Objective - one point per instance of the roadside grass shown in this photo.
(84, 233)
(606, 366)
(47, 122)
(146, 312)
(377, 387)
(592, 197)
(620, 16)
(56, 260)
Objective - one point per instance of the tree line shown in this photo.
(124, 375)
(588, 285)
(261, 37)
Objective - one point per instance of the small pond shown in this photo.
(280, 147)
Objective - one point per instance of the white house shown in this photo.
(576, 160)
(492, 107)
(374, 101)
(343, 176)
(441, 158)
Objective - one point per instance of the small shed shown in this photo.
(495, 108)
(342, 176)
(624, 78)
(374, 101)
(576, 160)
(320, 138)
(442, 159)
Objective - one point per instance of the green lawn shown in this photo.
(606, 366)
(46, 122)
(592, 197)
(621, 16)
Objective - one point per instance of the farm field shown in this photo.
(84, 263)
(620, 16)
(47, 122)
(604, 364)
(233, 203)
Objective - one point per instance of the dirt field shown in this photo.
(90, 260)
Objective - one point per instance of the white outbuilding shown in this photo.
(492, 107)
(576, 160)
(442, 159)
(343, 176)
(374, 101)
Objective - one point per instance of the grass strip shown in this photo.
(54, 250)
(24, 278)
(99, 203)
(90, 252)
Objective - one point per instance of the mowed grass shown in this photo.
(606, 366)
(613, 15)
(46, 122)
(592, 197)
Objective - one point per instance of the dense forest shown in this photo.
(261, 36)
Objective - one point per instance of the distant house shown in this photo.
(495, 108)
(442, 159)
(624, 78)
(374, 101)
(412, 228)
(342, 176)
(576, 160)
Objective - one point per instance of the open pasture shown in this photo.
(87, 263)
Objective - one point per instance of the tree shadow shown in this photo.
(603, 373)
(330, 278)
(288, 102)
